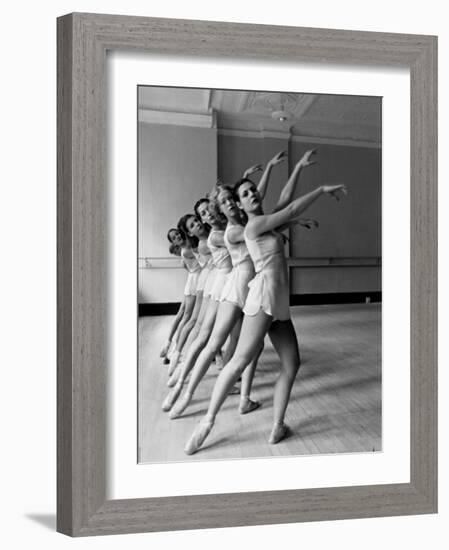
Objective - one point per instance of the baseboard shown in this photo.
(335, 298)
(171, 308)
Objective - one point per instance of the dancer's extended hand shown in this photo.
(308, 223)
(306, 159)
(252, 170)
(334, 190)
(280, 157)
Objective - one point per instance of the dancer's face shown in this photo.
(176, 237)
(194, 226)
(204, 213)
(249, 198)
(227, 204)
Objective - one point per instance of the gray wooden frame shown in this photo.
(83, 40)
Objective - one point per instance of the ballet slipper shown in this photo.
(279, 432)
(180, 406)
(174, 377)
(171, 398)
(247, 405)
(173, 362)
(164, 350)
(198, 437)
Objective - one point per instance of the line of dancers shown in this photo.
(237, 290)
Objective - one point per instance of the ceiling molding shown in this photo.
(337, 141)
(254, 134)
(264, 134)
(197, 120)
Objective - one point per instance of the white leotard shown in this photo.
(236, 288)
(269, 290)
(193, 267)
(222, 263)
(205, 260)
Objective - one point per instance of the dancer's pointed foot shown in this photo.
(279, 432)
(171, 398)
(174, 377)
(198, 437)
(180, 406)
(173, 362)
(164, 350)
(247, 405)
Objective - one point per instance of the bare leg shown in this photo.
(227, 315)
(192, 354)
(184, 332)
(246, 404)
(189, 305)
(233, 338)
(178, 318)
(196, 329)
(253, 331)
(283, 337)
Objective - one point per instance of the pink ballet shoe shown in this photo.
(278, 433)
(246, 406)
(180, 406)
(171, 398)
(198, 437)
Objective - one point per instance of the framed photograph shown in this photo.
(197, 163)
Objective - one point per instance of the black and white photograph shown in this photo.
(259, 274)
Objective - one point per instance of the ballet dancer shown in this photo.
(176, 251)
(223, 265)
(212, 216)
(229, 315)
(187, 246)
(204, 283)
(266, 308)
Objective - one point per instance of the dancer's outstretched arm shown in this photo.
(262, 186)
(267, 222)
(289, 188)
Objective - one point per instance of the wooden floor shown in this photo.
(336, 402)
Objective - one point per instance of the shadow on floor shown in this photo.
(46, 520)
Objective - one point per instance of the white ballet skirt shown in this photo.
(194, 269)
(269, 290)
(223, 266)
(236, 288)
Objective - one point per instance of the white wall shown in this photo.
(177, 166)
(27, 406)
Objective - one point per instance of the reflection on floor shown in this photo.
(335, 405)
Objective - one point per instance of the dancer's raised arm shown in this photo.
(252, 170)
(262, 186)
(267, 222)
(289, 188)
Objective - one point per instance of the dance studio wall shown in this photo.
(344, 254)
(178, 164)
(176, 167)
